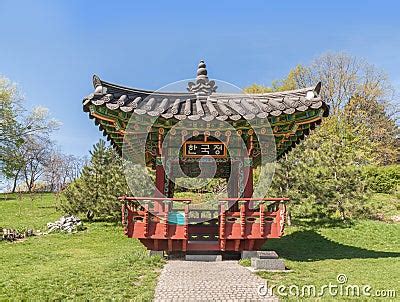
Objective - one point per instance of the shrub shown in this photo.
(382, 179)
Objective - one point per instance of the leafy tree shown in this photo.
(353, 85)
(9, 126)
(257, 88)
(381, 129)
(61, 169)
(343, 77)
(17, 128)
(35, 155)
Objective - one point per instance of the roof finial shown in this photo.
(202, 71)
(203, 87)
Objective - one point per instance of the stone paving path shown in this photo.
(208, 281)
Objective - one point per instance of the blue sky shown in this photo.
(51, 49)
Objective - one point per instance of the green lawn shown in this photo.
(98, 263)
(366, 251)
(101, 263)
(385, 205)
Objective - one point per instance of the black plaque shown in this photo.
(200, 149)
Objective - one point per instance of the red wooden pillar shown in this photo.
(171, 184)
(248, 167)
(160, 184)
(248, 176)
(233, 186)
(129, 219)
(160, 174)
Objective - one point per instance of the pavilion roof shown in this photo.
(291, 114)
(202, 101)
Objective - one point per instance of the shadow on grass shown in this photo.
(309, 246)
(4, 197)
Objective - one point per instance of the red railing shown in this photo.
(141, 207)
(166, 204)
(272, 208)
(256, 220)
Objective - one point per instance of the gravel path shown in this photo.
(208, 281)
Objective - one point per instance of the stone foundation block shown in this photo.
(207, 258)
(268, 264)
(259, 254)
(156, 253)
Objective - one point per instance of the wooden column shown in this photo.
(233, 185)
(248, 172)
(171, 185)
(160, 174)
(160, 184)
(248, 167)
(160, 178)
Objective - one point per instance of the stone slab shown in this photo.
(156, 253)
(207, 258)
(259, 254)
(268, 264)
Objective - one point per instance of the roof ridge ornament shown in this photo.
(203, 87)
(96, 81)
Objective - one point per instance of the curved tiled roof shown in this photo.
(202, 101)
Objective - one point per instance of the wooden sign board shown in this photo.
(200, 149)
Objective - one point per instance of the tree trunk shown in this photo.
(26, 179)
(288, 217)
(15, 181)
(31, 184)
(341, 211)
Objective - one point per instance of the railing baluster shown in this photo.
(262, 219)
(167, 209)
(186, 222)
(242, 218)
(222, 221)
(146, 219)
(222, 218)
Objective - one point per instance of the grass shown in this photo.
(21, 211)
(386, 206)
(101, 263)
(366, 251)
(98, 263)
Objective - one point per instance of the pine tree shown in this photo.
(97, 189)
(323, 175)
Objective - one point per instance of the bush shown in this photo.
(382, 179)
